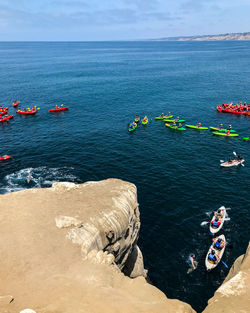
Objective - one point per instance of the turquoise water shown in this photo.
(177, 174)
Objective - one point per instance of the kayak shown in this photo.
(214, 230)
(233, 163)
(174, 127)
(163, 117)
(32, 112)
(59, 109)
(176, 121)
(221, 129)
(15, 103)
(6, 118)
(3, 113)
(144, 122)
(246, 139)
(4, 109)
(196, 127)
(224, 134)
(5, 157)
(210, 264)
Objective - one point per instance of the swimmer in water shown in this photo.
(29, 177)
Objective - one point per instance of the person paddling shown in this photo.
(212, 257)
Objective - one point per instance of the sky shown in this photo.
(84, 20)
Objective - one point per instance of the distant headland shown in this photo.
(229, 36)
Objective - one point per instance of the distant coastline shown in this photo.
(231, 36)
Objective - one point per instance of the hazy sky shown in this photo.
(119, 19)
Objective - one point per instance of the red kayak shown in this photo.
(6, 118)
(3, 113)
(15, 103)
(5, 157)
(59, 109)
(232, 111)
(32, 112)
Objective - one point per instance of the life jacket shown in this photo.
(215, 224)
(212, 257)
(217, 244)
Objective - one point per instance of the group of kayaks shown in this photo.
(4, 116)
(217, 248)
(176, 124)
(240, 109)
(132, 126)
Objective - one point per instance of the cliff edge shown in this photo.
(64, 249)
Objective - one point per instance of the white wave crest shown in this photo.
(41, 177)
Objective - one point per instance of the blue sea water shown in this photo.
(177, 174)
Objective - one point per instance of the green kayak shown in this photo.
(246, 139)
(144, 122)
(195, 127)
(224, 134)
(174, 127)
(163, 117)
(131, 129)
(137, 120)
(172, 121)
(221, 129)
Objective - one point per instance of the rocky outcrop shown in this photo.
(220, 37)
(63, 249)
(233, 296)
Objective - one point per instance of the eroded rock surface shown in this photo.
(233, 296)
(63, 249)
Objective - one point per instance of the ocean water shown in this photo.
(177, 174)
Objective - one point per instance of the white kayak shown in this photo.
(233, 163)
(218, 253)
(215, 230)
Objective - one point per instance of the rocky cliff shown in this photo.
(233, 296)
(64, 249)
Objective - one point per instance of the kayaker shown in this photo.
(220, 126)
(180, 125)
(212, 257)
(239, 158)
(174, 123)
(218, 243)
(228, 132)
(162, 115)
(219, 213)
(191, 260)
(229, 127)
(215, 223)
(199, 125)
(230, 160)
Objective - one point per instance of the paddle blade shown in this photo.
(221, 161)
(224, 264)
(235, 153)
(242, 165)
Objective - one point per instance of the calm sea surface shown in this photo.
(177, 174)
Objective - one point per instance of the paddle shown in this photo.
(221, 161)
(224, 264)
(236, 156)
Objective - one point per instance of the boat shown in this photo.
(228, 110)
(15, 103)
(218, 253)
(174, 127)
(5, 157)
(145, 121)
(246, 139)
(31, 112)
(224, 134)
(174, 121)
(233, 163)
(163, 117)
(131, 129)
(57, 109)
(196, 127)
(3, 119)
(221, 129)
(4, 112)
(214, 230)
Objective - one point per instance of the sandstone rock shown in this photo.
(63, 248)
(233, 296)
